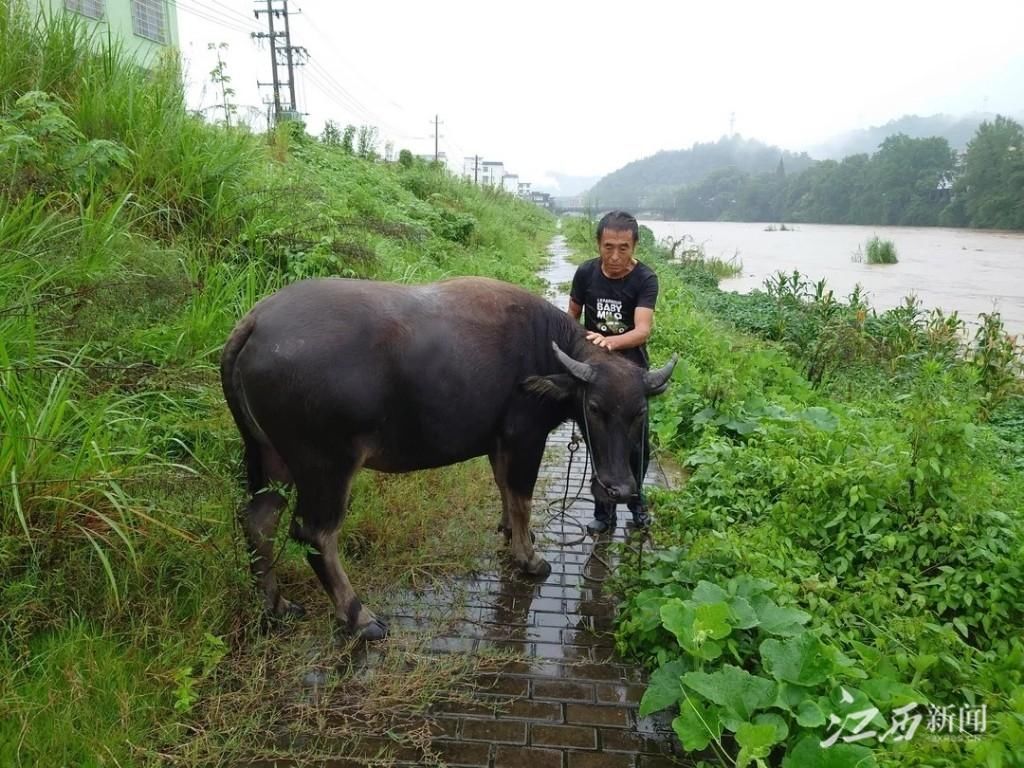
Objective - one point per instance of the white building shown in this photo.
(491, 172)
(524, 189)
(510, 183)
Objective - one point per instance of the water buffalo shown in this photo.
(327, 376)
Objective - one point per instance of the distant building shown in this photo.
(524, 189)
(429, 157)
(543, 199)
(510, 183)
(491, 172)
(146, 28)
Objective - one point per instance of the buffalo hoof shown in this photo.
(285, 612)
(537, 566)
(375, 630)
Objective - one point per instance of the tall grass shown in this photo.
(879, 251)
(133, 236)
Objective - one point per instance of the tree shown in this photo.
(991, 188)
(219, 75)
(331, 135)
(912, 175)
(347, 138)
(367, 142)
(405, 158)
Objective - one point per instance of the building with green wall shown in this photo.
(146, 28)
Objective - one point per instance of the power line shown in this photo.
(327, 77)
(345, 92)
(332, 95)
(207, 15)
(228, 10)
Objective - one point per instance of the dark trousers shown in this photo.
(639, 459)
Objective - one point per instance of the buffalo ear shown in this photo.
(558, 386)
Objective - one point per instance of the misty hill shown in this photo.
(652, 181)
(957, 130)
(566, 184)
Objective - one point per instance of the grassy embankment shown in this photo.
(132, 237)
(852, 521)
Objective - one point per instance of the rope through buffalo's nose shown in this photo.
(590, 453)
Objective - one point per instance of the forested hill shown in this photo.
(956, 130)
(653, 181)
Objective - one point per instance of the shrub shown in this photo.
(881, 251)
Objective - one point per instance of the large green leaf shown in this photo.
(799, 659)
(740, 692)
(680, 618)
(711, 620)
(892, 694)
(808, 753)
(755, 742)
(778, 722)
(697, 725)
(665, 687)
(743, 614)
(748, 586)
(677, 619)
(789, 696)
(776, 620)
(809, 714)
(706, 592)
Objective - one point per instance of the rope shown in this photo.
(559, 509)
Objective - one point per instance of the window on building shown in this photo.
(91, 8)
(148, 19)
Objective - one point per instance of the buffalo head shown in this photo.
(607, 396)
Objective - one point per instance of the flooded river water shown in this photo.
(966, 270)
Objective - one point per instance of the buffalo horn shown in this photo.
(656, 379)
(582, 371)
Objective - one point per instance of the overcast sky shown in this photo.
(584, 87)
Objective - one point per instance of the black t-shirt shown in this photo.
(609, 306)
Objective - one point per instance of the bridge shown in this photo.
(580, 204)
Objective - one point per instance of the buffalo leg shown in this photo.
(522, 462)
(259, 522)
(318, 514)
(498, 467)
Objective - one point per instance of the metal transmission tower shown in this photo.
(288, 56)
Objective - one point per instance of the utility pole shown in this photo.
(293, 55)
(476, 168)
(437, 135)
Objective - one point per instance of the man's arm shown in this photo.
(575, 310)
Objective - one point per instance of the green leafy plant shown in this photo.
(743, 664)
(879, 251)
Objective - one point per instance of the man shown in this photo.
(615, 294)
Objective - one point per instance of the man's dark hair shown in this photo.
(619, 221)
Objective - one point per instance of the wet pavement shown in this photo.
(562, 698)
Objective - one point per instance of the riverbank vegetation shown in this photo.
(133, 236)
(845, 557)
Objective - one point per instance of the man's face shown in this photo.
(616, 248)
